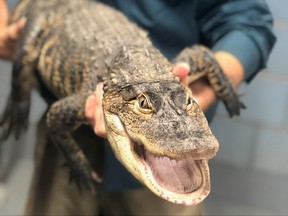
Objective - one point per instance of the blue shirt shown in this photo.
(240, 27)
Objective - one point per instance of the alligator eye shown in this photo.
(144, 104)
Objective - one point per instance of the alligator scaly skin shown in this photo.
(70, 46)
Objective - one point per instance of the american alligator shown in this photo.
(153, 124)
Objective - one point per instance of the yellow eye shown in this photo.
(144, 104)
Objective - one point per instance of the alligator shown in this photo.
(155, 127)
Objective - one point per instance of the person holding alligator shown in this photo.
(241, 47)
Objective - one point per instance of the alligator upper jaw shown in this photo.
(182, 181)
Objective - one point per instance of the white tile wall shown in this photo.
(272, 153)
(265, 99)
(235, 141)
(278, 9)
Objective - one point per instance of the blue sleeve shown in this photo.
(241, 27)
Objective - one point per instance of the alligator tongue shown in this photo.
(179, 176)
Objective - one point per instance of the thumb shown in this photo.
(181, 70)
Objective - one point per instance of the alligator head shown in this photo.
(156, 129)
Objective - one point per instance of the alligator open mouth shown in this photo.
(182, 181)
(187, 180)
(179, 176)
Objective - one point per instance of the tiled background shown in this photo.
(250, 172)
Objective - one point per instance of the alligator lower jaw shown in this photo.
(184, 181)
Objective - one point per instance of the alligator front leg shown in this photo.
(203, 63)
(64, 117)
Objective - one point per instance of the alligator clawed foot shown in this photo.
(233, 104)
(83, 178)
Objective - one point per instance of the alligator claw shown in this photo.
(233, 104)
(83, 178)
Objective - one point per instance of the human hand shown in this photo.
(8, 33)
(94, 112)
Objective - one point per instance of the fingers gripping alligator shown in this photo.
(154, 126)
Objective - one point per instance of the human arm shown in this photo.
(242, 28)
(240, 35)
(202, 91)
